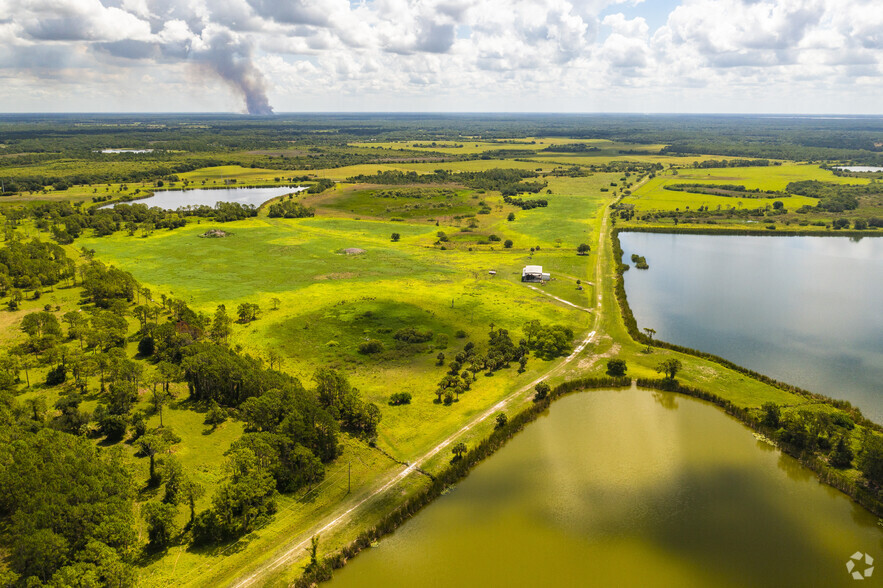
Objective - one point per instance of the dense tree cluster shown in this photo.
(344, 403)
(69, 509)
(571, 148)
(412, 335)
(548, 341)
(320, 186)
(289, 209)
(33, 264)
(525, 204)
(834, 197)
(105, 284)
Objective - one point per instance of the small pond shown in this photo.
(127, 150)
(173, 199)
(860, 168)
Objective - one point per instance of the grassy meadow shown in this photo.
(653, 195)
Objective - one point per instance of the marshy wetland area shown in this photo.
(277, 351)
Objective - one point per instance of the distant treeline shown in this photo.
(796, 138)
(715, 163)
(115, 174)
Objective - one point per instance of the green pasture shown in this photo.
(330, 302)
(383, 201)
(653, 195)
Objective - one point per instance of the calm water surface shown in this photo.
(804, 310)
(629, 488)
(172, 199)
(861, 168)
(127, 150)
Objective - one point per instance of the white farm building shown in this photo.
(534, 273)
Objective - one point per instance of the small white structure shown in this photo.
(493, 272)
(534, 273)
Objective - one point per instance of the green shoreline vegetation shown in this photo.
(232, 395)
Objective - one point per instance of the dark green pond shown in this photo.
(629, 488)
(804, 310)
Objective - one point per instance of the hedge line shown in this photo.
(452, 474)
(631, 325)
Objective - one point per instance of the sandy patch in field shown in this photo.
(589, 362)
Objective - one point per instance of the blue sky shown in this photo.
(746, 56)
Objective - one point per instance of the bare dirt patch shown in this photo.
(590, 361)
(215, 234)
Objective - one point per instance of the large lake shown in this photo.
(173, 199)
(804, 310)
(629, 488)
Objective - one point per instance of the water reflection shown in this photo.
(627, 488)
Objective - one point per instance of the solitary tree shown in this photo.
(616, 367)
(154, 442)
(508, 243)
(670, 367)
(221, 325)
(542, 390)
(650, 333)
(511, 217)
(583, 249)
(314, 553)
(458, 450)
(395, 237)
(247, 311)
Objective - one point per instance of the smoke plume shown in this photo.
(231, 59)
